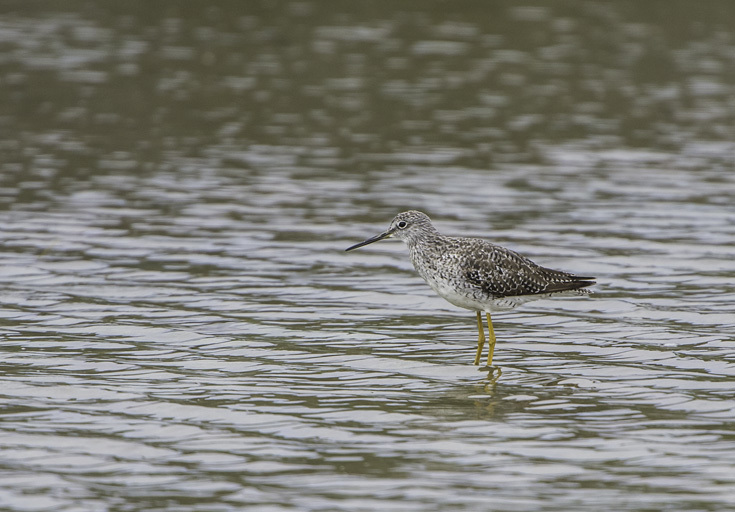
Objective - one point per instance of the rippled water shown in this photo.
(181, 329)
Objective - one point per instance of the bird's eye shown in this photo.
(402, 224)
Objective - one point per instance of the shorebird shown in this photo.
(475, 274)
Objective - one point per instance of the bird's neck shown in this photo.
(425, 239)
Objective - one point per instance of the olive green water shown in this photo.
(181, 330)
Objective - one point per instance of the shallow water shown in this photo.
(181, 329)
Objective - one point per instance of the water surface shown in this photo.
(181, 329)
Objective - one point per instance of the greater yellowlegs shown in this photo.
(475, 274)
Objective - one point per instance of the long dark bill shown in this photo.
(370, 240)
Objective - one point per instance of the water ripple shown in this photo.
(181, 328)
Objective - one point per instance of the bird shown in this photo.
(476, 274)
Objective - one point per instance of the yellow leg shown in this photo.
(480, 338)
(491, 341)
